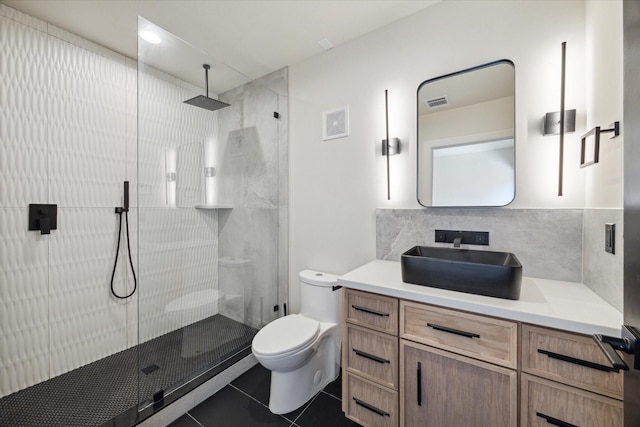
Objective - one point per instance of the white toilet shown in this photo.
(302, 351)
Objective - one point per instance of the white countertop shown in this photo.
(552, 303)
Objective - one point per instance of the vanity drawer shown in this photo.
(373, 355)
(570, 358)
(546, 403)
(372, 311)
(485, 338)
(371, 405)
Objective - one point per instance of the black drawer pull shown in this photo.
(371, 407)
(580, 362)
(453, 331)
(370, 311)
(555, 421)
(370, 356)
(419, 384)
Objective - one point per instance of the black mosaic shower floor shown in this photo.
(95, 393)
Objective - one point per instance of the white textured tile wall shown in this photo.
(86, 322)
(88, 128)
(23, 114)
(68, 135)
(24, 303)
(178, 256)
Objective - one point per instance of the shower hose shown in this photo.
(119, 211)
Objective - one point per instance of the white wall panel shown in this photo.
(87, 127)
(24, 303)
(86, 322)
(23, 115)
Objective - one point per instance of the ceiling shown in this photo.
(254, 37)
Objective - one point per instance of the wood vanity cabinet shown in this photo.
(411, 364)
(567, 381)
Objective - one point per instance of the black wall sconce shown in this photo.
(560, 122)
(390, 147)
(551, 122)
(596, 132)
(393, 146)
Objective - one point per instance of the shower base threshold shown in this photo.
(112, 391)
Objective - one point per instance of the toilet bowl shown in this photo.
(302, 351)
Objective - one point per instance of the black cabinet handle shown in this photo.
(453, 331)
(419, 384)
(371, 407)
(370, 311)
(370, 356)
(575, 361)
(555, 421)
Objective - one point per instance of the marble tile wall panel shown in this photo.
(254, 179)
(24, 303)
(604, 272)
(23, 114)
(230, 178)
(252, 234)
(547, 242)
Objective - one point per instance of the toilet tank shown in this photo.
(318, 299)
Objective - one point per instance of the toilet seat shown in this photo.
(285, 335)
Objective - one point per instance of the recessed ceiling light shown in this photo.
(150, 36)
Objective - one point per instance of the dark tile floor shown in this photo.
(244, 403)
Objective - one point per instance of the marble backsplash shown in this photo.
(559, 244)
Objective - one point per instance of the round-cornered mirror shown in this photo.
(466, 137)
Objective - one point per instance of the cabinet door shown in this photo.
(442, 389)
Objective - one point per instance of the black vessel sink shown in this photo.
(494, 274)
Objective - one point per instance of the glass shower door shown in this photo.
(207, 209)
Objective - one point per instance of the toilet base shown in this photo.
(290, 390)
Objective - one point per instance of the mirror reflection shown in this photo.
(466, 137)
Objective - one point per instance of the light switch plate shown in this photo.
(610, 238)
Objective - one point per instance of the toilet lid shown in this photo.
(285, 335)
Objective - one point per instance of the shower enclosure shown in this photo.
(208, 203)
(207, 215)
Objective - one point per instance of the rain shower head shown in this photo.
(204, 101)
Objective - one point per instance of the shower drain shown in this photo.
(149, 369)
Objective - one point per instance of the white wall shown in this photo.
(604, 181)
(336, 185)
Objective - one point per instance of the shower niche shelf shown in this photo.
(213, 207)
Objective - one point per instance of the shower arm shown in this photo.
(206, 76)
